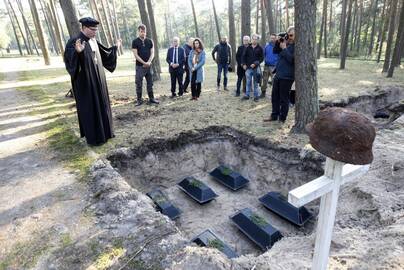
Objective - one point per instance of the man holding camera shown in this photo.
(284, 76)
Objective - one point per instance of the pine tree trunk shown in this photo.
(287, 12)
(116, 24)
(386, 23)
(27, 30)
(195, 21)
(216, 20)
(380, 27)
(40, 33)
(359, 33)
(69, 12)
(48, 26)
(125, 24)
(96, 11)
(365, 42)
(263, 20)
(353, 25)
(393, 11)
(107, 22)
(399, 42)
(56, 24)
(246, 18)
(330, 39)
(344, 45)
(232, 34)
(270, 16)
(322, 27)
(372, 33)
(307, 105)
(19, 27)
(156, 60)
(257, 14)
(14, 28)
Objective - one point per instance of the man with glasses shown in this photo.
(284, 76)
(85, 59)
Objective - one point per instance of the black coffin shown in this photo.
(209, 239)
(277, 203)
(229, 178)
(256, 228)
(163, 204)
(197, 190)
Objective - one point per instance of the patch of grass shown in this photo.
(226, 170)
(106, 259)
(66, 240)
(216, 243)
(195, 183)
(258, 220)
(24, 255)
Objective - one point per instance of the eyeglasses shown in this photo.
(290, 35)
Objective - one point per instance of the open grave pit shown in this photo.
(162, 163)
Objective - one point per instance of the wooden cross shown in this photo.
(327, 187)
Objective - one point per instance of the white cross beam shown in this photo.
(327, 187)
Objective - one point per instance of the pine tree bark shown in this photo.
(386, 23)
(69, 12)
(19, 27)
(246, 18)
(307, 105)
(393, 11)
(40, 33)
(372, 33)
(17, 39)
(216, 20)
(232, 34)
(155, 39)
(195, 21)
(399, 43)
(323, 28)
(380, 26)
(344, 45)
(49, 27)
(353, 25)
(55, 21)
(287, 12)
(107, 22)
(257, 15)
(359, 33)
(263, 20)
(270, 16)
(116, 24)
(103, 34)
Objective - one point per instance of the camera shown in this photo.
(283, 36)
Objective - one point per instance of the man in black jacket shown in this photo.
(223, 60)
(251, 60)
(176, 61)
(240, 69)
(284, 77)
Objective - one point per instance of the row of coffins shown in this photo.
(255, 227)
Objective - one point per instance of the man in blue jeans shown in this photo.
(251, 60)
(271, 59)
(223, 60)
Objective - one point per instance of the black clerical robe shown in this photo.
(90, 88)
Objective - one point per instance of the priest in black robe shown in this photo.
(85, 59)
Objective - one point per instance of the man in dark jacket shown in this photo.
(187, 47)
(223, 59)
(85, 59)
(176, 61)
(284, 77)
(240, 69)
(251, 60)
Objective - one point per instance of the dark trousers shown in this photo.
(280, 98)
(195, 87)
(225, 69)
(147, 73)
(186, 81)
(176, 76)
(239, 80)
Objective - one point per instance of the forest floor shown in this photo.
(44, 165)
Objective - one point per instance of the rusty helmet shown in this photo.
(342, 135)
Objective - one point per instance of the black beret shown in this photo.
(89, 22)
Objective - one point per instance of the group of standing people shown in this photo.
(85, 59)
